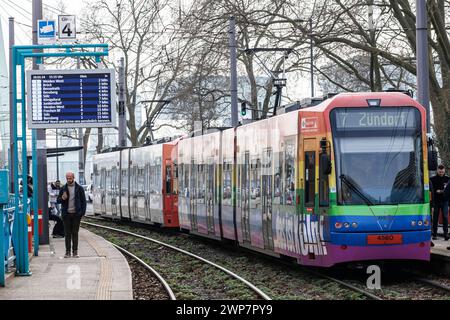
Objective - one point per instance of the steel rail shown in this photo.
(157, 275)
(249, 284)
(348, 285)
(433, 283)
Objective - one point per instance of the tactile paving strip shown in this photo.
(105, 281)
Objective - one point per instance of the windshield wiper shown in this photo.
(355, 189)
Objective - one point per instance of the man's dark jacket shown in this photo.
(80, 200)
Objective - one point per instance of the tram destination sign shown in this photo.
(71, 98)
(359, 118)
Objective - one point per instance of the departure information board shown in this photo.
(71, 98)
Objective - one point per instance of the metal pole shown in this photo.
(81, 177)
(2, 247)
(372, 39)
(311, 57)
(57, 156)
(11, 110)
(422, 58)
(233, 70)
(41, 145)
(122, 117)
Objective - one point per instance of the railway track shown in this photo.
(296, 272)
(146, 266)
(248, 284)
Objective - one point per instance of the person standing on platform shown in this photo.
(438, 185)
(53, 192)
(73, 208)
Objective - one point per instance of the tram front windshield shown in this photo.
(378, 155)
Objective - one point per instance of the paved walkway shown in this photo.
(101, 273)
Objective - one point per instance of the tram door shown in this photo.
(193, 195)
(245, 199)
(147, 192)
(134, 191)
(267, 186)
(168, 198)
(209, 197)
(309, 147)
(103, 190)
(114, 191)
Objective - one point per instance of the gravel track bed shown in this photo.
(189, 279)
(145, 285)
(278, 281)
(397, 285)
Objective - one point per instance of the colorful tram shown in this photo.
(342, 181)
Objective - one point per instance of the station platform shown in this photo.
(100, 273)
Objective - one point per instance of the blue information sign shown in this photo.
(71, 98)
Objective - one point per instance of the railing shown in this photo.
(7, 237)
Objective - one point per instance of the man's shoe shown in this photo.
(431, 244)
(67, 255)
(75, 254)
(445, 238)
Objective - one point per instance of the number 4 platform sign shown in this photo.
(66, 27)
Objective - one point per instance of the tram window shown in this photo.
(289, 173)
(324, 195)
(226, 183)
(168, 178)
(278, 181)
(141, 180)
(310, 177)
(255, 192)
(175, 179)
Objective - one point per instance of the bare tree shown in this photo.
(136, 31)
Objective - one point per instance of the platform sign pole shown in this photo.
(4, 197)
(17, 226)
(2, 247)
(23, 268)
(35, 197)
(19, 55)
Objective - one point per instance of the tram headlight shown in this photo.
(420, 222)
(426, 223)
(413, 223)
(338, 225)
(346, 225)
(354, 225)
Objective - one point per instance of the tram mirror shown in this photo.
(432, 160)
(325, 164)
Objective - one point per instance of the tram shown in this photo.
(342, 181)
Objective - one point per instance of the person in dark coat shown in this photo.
(438, 185)
(73, 207)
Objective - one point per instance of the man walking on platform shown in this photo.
(438, 185)
(73, 207)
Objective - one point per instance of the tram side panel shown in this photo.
(124, 197)
(184, 154)
(156, 175)
(228, 184)
(252, 143)
(99, 185)
(209, 200)
(170, 186)
(137, 183)
(105, 189)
